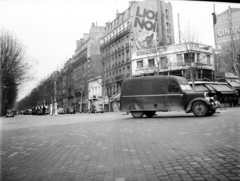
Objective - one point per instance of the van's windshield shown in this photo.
(186, 87)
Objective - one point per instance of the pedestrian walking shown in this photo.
(44, 110)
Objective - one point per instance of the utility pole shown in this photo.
(1, 88)
(54, 96)
(215, 41)
(179, 31)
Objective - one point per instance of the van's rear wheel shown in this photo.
(137, 114)
(200, 109)
(149, 114)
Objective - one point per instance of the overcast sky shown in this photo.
(50, 28)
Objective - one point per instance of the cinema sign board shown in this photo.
(225, 31)
(145, 25)
(228, 31)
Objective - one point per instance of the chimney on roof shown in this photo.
(117, 14)
(78, 43)
(85, 36)
(131, 3)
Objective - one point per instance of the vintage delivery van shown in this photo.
(147, 95)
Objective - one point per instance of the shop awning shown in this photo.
(210, 88)
(116, 97)
(201, 88)
(222, 88)
(234, 83)
(100, 100)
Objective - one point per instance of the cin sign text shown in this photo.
(228, 31)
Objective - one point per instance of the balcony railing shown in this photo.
(113, 38)
(127, 75)
(120, 77)
(107, 81)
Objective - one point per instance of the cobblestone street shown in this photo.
(116, 147)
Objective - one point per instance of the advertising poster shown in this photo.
(145, 25)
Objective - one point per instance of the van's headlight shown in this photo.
(206, 95)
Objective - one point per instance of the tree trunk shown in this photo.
(109, 104)
(192, 77)
(81, 103)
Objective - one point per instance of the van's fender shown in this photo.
(189, 106)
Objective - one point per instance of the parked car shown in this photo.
(9, 113)
(147, 95)
(96, 108)
(61, 110)
(47, 110)
(15, 113)
(34, 111)
(28, 112)
(40, 111)
(220, 90)
(70, 110)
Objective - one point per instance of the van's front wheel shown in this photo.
(200, 109)
(149, 114)
(137, 114)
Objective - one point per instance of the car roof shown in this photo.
(206, 82)
(161, 77)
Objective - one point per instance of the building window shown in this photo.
(167, 13)
(168, 27)
(169, 41)
(179, 60)
(139, 64)
(163, 63)
(173, 88)
(198, 57)
(151, 62)
(208, 59)
(189, 57)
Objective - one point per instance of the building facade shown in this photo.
(95, 95)
(86, 65)
(145, 24)
(227, 36)
(175, 60)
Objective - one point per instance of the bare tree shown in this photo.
(189, 46)
(15, 68)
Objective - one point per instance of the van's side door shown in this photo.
(174, 97)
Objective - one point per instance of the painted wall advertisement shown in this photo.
(227, 27)
(145, 26)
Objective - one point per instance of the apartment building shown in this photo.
(86, 65)
(65, 85)
(145, 24)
